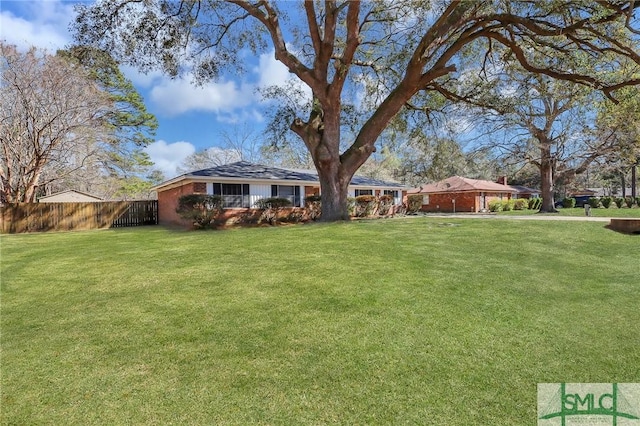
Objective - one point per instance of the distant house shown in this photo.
(242, 184)
(70, 196)
(525, 192)
(459, 194)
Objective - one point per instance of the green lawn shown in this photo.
(579, 211)
(403, 321)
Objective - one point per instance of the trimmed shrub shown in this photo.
(495, 205)
(568, 202)
(200, 209)
(365, 205)
(619, 202)
(313, 207)
(521, 204)
(606, 202)
(414, 203)
(594, 202)
(508, 205)
(628, 201)
(272, 208)
(385, 202)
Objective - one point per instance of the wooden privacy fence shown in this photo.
(40, 217)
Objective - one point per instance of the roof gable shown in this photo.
(461, 184)
(70, 195)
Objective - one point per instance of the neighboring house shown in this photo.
(458, 194)
(602, 192)
(521, 191)
(583, 193)
(525, 192)
(70, 196)
(241, 184)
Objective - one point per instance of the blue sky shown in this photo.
(190, 118)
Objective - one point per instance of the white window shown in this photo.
(360, 192)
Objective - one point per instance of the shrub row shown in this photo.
(204, 211)
(370, 205)
(620, 202)
(515, 204)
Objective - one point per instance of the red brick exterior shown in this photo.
(168, 202)
(471, 202)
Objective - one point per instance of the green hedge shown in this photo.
(594, 202)
(200, 209)
(619, 202)
(568, 202)
(628, 201)
(495, 205)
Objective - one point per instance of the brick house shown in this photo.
(241, 184)
(458, 194)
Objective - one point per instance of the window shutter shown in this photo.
(217, 189)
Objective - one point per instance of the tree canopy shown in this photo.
(366, 62)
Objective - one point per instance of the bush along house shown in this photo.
(242, 184)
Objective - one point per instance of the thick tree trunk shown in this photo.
(546, 174)
(334, 197)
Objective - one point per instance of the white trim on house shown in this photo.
(261, 178)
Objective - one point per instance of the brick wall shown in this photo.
(168, 203)
(465, 202)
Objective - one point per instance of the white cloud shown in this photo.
(168, 156)
(46, 25)
(271, 72)
(244, 116)
(141, 79)
(174, 97)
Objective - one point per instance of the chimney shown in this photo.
(502, 180)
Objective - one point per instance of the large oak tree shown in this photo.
(398, 53)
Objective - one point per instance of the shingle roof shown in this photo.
(524, 189)
(247, 170)
(460, 184)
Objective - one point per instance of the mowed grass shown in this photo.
(404, 321)
(624, 212)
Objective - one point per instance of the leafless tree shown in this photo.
(50, 117)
